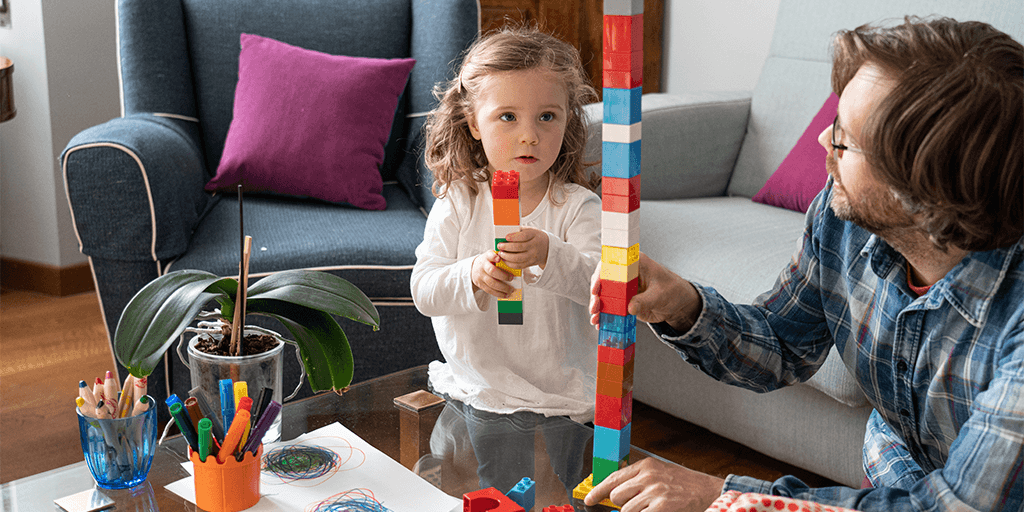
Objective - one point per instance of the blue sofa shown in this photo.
(704, 156)
(135, 183)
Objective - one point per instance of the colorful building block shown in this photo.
(629, 221)
(613, 411)
(618, 289)
(611, 444)
(489, 500)
(524, 493)
(514, 271)
(506, 212)
(620, 237)
(615, 339)
(510, 306)
(605, 467)
(622, 106)
(620, 255)
(617, 389)
(620, 160)
(618, 324)
(585, 487)
(624, 273)
(505, 185)
(624, 133)
(623, 32)
(510, 319)
(615, 355)
(557, 508)
(620, 186)
(615, 372)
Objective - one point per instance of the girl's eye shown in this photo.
(547, 116)
(507, 116)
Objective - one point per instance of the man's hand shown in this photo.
(655, 486)
(488, 277)
(525, 248)
(662, 296)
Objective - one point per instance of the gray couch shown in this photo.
(704, 156)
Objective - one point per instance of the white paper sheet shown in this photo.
(360, 466)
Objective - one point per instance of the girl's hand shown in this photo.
(488, 277)
(525, 248)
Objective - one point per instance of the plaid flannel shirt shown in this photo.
(944, 371)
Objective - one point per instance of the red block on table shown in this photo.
(613, 412)
(624, 34)
(620, 186)
(563, 508)
(489, 500)
(621, 204)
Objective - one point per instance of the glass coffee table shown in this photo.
(392, 413)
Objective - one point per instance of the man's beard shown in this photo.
(877, 210)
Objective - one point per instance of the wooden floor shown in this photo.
(48, 344)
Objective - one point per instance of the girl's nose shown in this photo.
(529, 135)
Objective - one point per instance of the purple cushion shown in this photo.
(310, 124)
(802, 174)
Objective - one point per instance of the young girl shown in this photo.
(516, 105)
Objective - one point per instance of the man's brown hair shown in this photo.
(948, 139)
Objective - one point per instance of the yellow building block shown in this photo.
(621, 273)
(513, 271)
(620, 255)
(585, 487)
(517, 295)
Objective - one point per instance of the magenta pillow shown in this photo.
(310, 124)
(802, 174)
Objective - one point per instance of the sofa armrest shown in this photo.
(135, 186)
(690, 142)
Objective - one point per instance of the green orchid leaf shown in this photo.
(159, 312)
(320, 291)
(323, 346)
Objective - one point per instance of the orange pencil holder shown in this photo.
(227, 487)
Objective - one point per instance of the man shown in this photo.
(912, 264)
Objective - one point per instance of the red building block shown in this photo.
(563, 508)
(620, 186)
(624, 34)
(489, 500)
(614, 305)
(621, 204)
(619, 289)
(613, 412)
(619, 356)
(623, 61)
(631, 79)
(505, 185)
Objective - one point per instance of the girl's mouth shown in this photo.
(526, 159)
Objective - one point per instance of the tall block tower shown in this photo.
(505, 194)
(620, 235)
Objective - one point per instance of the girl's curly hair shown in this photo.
(451, 151)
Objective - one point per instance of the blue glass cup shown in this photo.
(119, 452)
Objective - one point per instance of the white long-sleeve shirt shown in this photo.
(548, 364)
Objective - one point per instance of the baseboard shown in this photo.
(42, 278)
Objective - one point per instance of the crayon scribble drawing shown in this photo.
(311, 462)
(352, 500)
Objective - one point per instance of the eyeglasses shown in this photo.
(840, 148)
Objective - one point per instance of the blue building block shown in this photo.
(620, 160)
(616, 339)
(622, 106)
(611, 444)
(618, 323)
(524, 493)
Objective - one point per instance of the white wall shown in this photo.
(65, 80)
(715, 45)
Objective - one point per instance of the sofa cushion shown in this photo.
(373, 249)
(738, 247)
(310, 124)
(802, 174)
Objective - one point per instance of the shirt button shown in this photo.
(901, 366)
